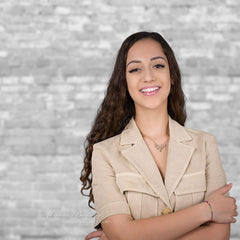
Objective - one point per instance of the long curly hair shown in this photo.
(117, 107)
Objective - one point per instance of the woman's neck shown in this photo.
(152, 123)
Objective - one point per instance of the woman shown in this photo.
(152, 177)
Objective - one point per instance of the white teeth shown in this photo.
(149, 89)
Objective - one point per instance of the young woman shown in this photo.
(152, 178)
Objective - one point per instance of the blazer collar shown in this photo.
(178, 132)
(179, 155)
(131, 133)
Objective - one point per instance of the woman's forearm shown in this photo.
(174, 225)
(209, 231)
(170, 226)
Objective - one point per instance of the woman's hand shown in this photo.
(224, 208)
(95, 234)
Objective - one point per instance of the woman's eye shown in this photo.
(134, 70)
(159, 66)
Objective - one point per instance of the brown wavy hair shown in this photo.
(117, 107)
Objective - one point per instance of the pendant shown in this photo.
(160, 147)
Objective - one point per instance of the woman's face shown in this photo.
(148, 75)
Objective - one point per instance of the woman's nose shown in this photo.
(148, 75)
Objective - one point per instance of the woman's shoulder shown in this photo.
(200, 134)
(187, 133)
(128, 135)
(108, 143)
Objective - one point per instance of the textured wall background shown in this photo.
(56, 57)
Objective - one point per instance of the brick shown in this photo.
(42, 80)
(3, 54)
(234, 88)
(35, 132)
(105, 28)
(2, 28)
(43, 62)
(75, 80)
(200, 106)
(76, 23)
(66, 150)
(34, 44)
(27, 80)
(4, 115)
(236, 80)
(10, 80)
(34, 150)
(14, 88)
(219, 97)
(62, 10)
(61, 88)
(84, 95)
(61, 106)
(17, 140)
(232, 3)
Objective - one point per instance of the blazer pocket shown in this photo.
(136, 191)
(191, 190)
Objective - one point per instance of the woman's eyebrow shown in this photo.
(134, 61)
(154, 58)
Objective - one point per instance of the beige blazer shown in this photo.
(126, 179)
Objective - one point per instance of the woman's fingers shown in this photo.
(235, 214)
(225, 189)
(95, 234)
(234, 220)
(224, 207)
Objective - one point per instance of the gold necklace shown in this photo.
(159, 147)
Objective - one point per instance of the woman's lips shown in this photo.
(149, 91)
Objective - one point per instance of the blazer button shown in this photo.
(166, 211)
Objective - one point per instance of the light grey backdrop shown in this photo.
(56, 57)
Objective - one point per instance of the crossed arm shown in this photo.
(209, 231)
(182, 225)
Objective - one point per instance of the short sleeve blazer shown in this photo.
(126, 179)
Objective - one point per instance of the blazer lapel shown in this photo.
(137, 152)
(180, 151)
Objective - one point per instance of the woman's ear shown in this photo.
(172, 82)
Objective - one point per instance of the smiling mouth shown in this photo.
(149, 90)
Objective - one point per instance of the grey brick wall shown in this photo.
(55, 60)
